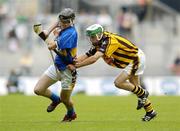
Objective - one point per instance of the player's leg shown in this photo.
(133, 85)
(122, 83)
(150, 113)
(141, 93)
(136, 69)
(66, 99)
(68, 80)
(41, 88)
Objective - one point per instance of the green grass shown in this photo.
(95, 113)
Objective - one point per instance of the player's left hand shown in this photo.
(56, 32)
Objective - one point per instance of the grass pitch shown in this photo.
(95, 113)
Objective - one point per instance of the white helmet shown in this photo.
(95, 30)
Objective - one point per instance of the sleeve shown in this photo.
(103, 46)
(68, 58)
(91, 51)
(67, 41)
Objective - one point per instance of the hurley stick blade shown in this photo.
(37, 28)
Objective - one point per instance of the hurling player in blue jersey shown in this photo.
(66, 44)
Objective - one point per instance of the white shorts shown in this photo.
(141, 65)
(67, 77)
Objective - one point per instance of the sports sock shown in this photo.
(70, 111)
(138, 91)
(148, 106)
(55, 98)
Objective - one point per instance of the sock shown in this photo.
(70, 111)
(138, 91)
(55, 98)
(148, 106)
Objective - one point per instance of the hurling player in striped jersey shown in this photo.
(119, 52)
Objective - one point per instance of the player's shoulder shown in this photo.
(70, 32)
(71, 29)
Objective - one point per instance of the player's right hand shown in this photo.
(71, 67)
(56, 32)
(51, 45)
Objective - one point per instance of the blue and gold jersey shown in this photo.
(67, 47)
(118, 51)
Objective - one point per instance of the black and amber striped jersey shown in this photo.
(118, 51)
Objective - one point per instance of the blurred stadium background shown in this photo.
(154, 25)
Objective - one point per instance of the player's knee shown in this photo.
(117, 84)
(37, 91)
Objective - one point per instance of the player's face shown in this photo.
(94, 40)
(63, 24)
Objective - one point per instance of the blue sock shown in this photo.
(55, 98)
(70, 112)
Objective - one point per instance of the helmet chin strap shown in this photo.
(99, 36)
(71, 22)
